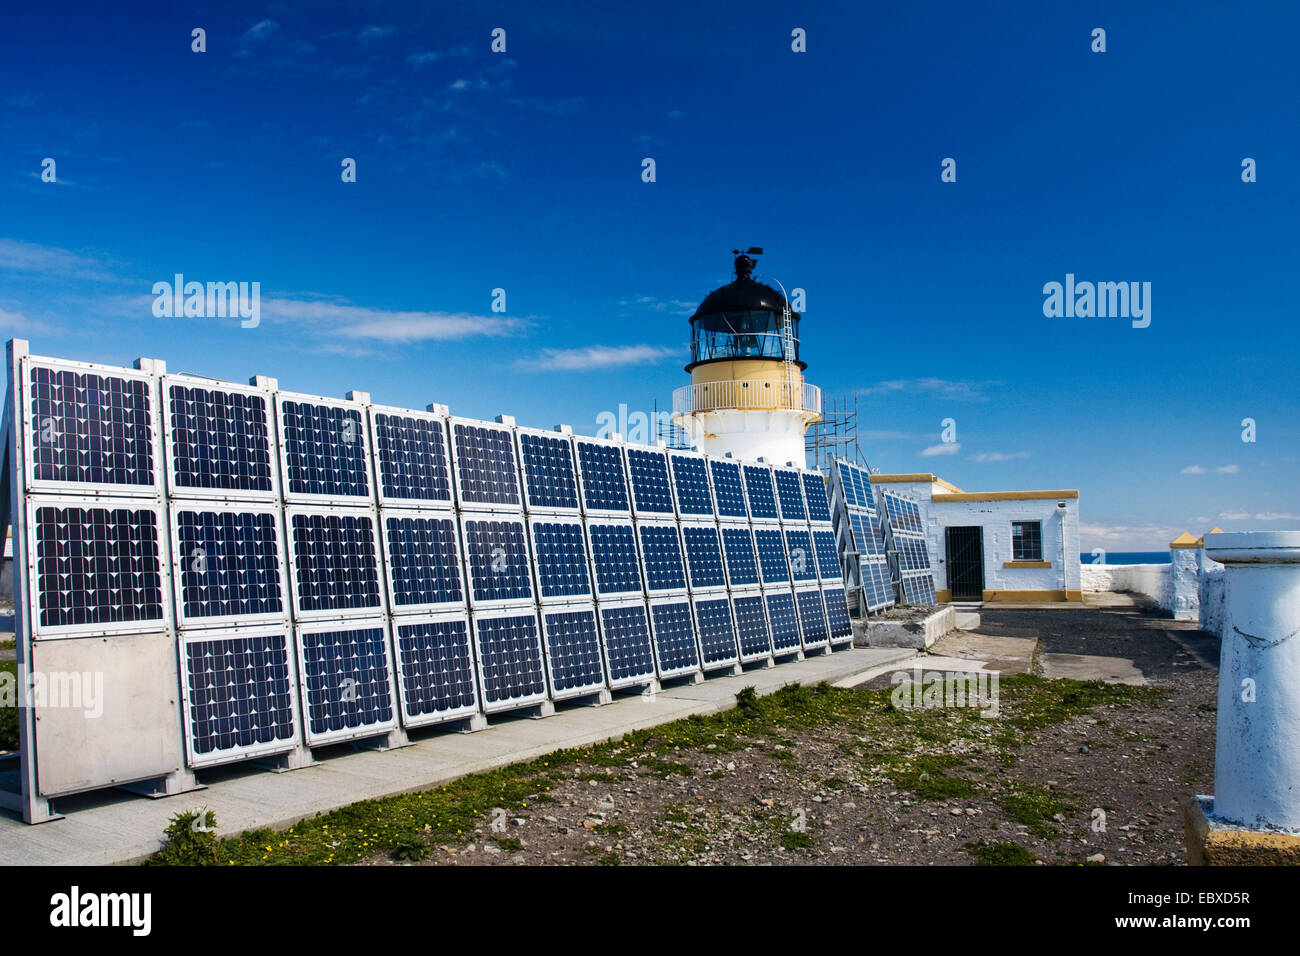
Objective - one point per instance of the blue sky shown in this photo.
(479, 170)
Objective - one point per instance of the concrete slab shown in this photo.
(111, 827)
(1112, 670)
(1009, 655)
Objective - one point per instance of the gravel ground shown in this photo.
(1100, 786)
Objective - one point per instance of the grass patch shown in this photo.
(1000, 854)
(796, 840)
(1036, 808)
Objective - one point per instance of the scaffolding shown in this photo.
(835, 435)
(672, 435)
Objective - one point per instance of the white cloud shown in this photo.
(999, 456)
(597, 357)
(261, 30)
(936, 386)
(376, 33)
(1120, 537)
(1193, 470)
(1228, 470)
(344, 320)
(1277, 516)
(946, 448)
(649, 303)
(1234, 515)
(32, 259)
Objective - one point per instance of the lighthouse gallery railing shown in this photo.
(708, 396)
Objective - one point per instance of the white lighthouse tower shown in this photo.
(747, 396)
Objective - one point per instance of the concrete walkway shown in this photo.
(113, 827)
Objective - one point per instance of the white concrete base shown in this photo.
(919, 634)
(966, 620)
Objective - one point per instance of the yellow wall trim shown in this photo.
(1022, 597)
(1026, 564)
(1005, 496)
(1185, 540)
(943, 597)
(899, 479)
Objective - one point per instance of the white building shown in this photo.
(997, 545)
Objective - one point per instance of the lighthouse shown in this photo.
(747, 397)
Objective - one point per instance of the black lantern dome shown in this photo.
(741, 320)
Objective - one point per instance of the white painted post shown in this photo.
(1257, 750)
(1184, 577)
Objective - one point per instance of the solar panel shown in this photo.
(496, 553)
(753, 636)
(324, 446)
(412, 458)
(673, 628)
(741, 560)
(704, 557)
(424, 572)
(484, 460)
(218, 439)
(334, 560)
(90, 429)
(717, 635)
(814, 492)
(602, 477)
(96, 569)
(560, 550)
(758, 492)
(238, 696)
(771, 556)
(648, 471)
(614, 557)
(435, 669)
(691, 483)
(728, 491)
(789, 492)
(837, 616)
(509, 659)
(905, 540)
(573, 657)
(550, 482)
(812, 618)
(626, 636)
(229, 567)
(828, 555)
(860, 536)
(345, 680)
(803, 563)
(661, 555)
(784, 620)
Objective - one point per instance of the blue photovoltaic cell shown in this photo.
(437, 667)
(219, 439)
(347, 679)
(424, 560)
(498, 560)
(662, 551)
(742, 563)
(803, 563)
(717, 638)
(727, 489)
(97, 566)
(674, 632)
(335, 562)
(784, 620)
(875, 579)
(703, 556)
(649, 473)
(837, 613)
(510, 658)
(751, 625)
(573, 649)
(613, 553)
(758, 492)
(627, 642)
(561, 559)
(828, 556)
(548, 471)
(812, 616)
(814, 489)
(771, 555)
(691, 481)
(90, 428)
(789, 489)
(238, 693)
(485, 465)
(324, 450)
(413, 463)
(229, 563)
(604, 483)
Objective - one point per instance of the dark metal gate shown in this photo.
(966, 563)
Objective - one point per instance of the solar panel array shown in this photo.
(860, 537)
(905, 538)
(333, 569)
